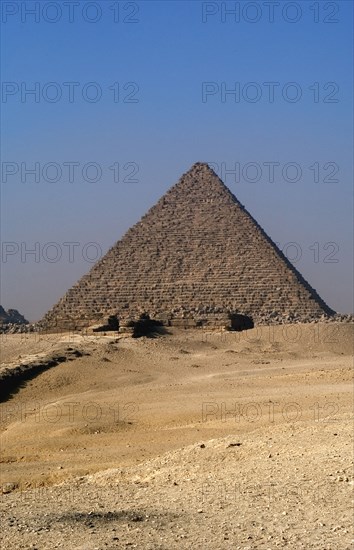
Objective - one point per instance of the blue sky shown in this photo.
(161, 56)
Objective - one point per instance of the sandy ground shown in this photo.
(194, 439)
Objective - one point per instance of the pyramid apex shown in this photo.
(201, 171)
(199, 163)
(201, 178)
(201, 167)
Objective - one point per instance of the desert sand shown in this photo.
(193, 439)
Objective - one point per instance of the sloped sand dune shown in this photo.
(191, 440)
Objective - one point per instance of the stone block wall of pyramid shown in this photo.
(196, 253)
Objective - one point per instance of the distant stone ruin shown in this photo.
(12, 316)
(197, 257)
(11, 320)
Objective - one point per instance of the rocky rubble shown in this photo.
(207, 317)
(15, 328)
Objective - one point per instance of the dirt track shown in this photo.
(143, 408)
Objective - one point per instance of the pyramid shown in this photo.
(197, 252)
